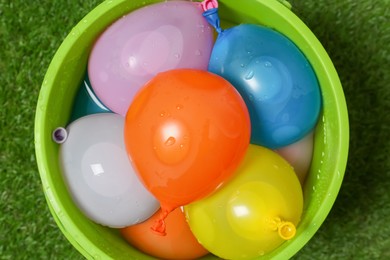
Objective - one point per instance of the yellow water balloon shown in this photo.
(254, 213)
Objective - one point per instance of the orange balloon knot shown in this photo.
(159, 226)
(286, 229)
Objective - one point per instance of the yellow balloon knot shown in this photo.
(286, 229)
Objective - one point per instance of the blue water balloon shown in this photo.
(86, 102)
(275, 79)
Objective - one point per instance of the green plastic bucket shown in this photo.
(67, 70)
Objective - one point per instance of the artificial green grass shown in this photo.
(356, 35)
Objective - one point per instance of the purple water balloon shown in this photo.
(152, 39)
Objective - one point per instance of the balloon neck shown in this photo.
(159, 226)
(286, 229)
(212, 18)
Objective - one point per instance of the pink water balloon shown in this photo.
(299, 155)
(152, 39)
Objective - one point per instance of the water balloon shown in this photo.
(273, 76)
(99, 175)
(254, 213)
(86, 102)
(152, 39)
(186, 132)
(179, 243)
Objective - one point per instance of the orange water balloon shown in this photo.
(186, 132)
(179, 243)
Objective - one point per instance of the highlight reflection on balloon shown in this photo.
(152, 39)
(99, 175)
(275, 79)
(254, 213)
(179, 243)
(186, 132)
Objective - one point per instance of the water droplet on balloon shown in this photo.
(170, 141)
(200, 25)
(198, 53)
(267, 64)
(250, 75)
(180, 106)
(132, 62)
(242, 65)
(177, 55)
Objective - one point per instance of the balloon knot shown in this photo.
(159, 226)
(210, 8)
(60, 135)
(286, 229)
(209, 4)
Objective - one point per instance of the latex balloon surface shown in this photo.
(152, 39)
(186, 132)
(86, 102)
(179, 243)
(99, 175)
(275, 79)
(253, 213)
(299, 155)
